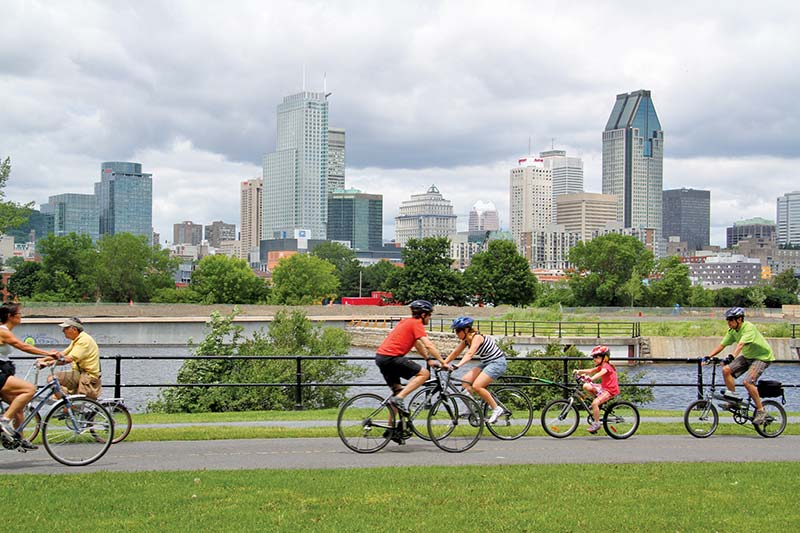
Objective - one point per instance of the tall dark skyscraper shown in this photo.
(687, 214)
(356, 217)
(125, 198)
(633, 154)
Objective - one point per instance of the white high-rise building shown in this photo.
(296, 174)
(425, 215)
(586, 212)
(483, 217)
(530, 198)
(789, 218)
(251, 216)
(567, 173)
(633, 154)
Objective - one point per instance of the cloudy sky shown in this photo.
(445, 93)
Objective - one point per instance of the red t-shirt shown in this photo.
(609, 380)
(402, 338)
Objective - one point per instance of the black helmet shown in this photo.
(461, 323)
(733, 313)
(423, 306)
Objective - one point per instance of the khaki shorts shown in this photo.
(740, 365)
(75, 382)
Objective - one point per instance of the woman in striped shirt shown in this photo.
(492, 362)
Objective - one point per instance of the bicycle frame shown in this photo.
(575, 392)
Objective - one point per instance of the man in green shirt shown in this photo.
(752, 354)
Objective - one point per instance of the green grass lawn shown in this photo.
(651, 497)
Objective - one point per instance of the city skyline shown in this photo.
(424, 103)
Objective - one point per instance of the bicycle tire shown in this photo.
(418, 409)
(776, 420)
(77, 433)
(122, 420)
(365, 423)
(455, 423)
(518, 415)
(621, 420)
(701, 419)
(35, 424)
(560, 418)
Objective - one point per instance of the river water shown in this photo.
(157, 371)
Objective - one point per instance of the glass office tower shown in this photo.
(125, 198)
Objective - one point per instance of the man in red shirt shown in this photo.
(391, 355)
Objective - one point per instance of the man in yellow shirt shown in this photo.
(83, 354)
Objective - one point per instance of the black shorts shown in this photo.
(6, 370)
(394, 368)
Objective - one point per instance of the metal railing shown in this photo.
(299, 383)
(532, 328)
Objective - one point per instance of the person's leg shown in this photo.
(751, 379)
(481, 382)
(20, 393)
(468, 379)
(414, 383)
(602, 398)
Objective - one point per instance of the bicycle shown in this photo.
(560, 418)
(367, 422)
(76, 430)
(701, 417)
(115, 406)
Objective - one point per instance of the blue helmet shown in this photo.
(421, 306)
(461, 323)
(734, 312)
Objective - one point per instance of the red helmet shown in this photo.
(600, 350)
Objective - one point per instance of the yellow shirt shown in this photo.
(85, 354)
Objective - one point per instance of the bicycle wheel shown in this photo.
(560, 418)
(776, 420)
(77, 434)
(122, 420)
(455, 423)
(517, 417)
(701, 419)
(418, 408)
(365, 423)
(32, 429)
(621, 420)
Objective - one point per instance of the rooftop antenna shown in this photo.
(529, 145)
(304, 77)
(552, 143)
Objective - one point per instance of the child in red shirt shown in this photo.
(608, 386)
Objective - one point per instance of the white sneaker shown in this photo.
(497, 412)
(7, 427)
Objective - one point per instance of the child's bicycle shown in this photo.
(367, 422)
(115, 406)
(560, 418)
(701, 418)
(76, 430)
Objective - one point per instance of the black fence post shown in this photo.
(298, 393)
(565, 361)
(699, 379)
(118, 376)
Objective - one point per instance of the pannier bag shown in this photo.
(770, 389)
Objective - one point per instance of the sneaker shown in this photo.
(593, 427)
(760, 418)
(7, 427)
(399, 403)
(27, 445)
(731, 396)
(497, 412)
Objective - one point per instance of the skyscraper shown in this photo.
(187, 232)
(73, 213)
(633, 153)
(585, 213)
(425, 215)
(789, 218)
(483, 217)
(687, 214)
(219, 231)
(336, 159)
(356, 217)
(296, 174)
(567, 173)
(751, 229)
(251, 215)
(125, 199)
(530, 198)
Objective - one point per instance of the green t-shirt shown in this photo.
(755, 346)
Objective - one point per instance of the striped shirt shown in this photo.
(5, 349)
(489, 351)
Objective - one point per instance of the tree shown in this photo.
(700, 297)
(787, 281)
(22, 284)
(11, 214)
(375, 277)
(603, 265)
(347, 266)
(303, 280)
(427, 274)
(670, 283)
(68, 269)
(500, 275)
(633, 287)
(220, 279)
(129, 268)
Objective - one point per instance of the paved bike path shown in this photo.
(330, 453)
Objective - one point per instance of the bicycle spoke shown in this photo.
(365, 423)
(77, 435)
(455, 423)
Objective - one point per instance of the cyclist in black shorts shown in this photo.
(390, 358)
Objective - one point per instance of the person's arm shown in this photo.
(11, 340)
(716, 350)
(477, 340)
(598, 375)
(430, 349)
(458, 349)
